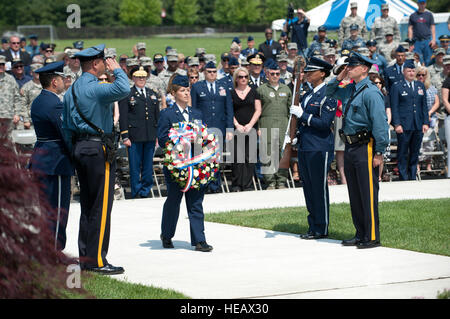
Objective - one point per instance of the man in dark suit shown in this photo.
(394, 73)
(410, 119)
(14, 53)
(213, 99)
(50, 160)
(181, 112)
(270, 48)
(139, 114)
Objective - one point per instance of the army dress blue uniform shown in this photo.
(365, 131)
(96, 175)
(316, 151)
(50, 159)
(216, 105)
(194, 197)
(139, 114)
(409, 109)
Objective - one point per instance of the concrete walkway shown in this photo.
(256, 263)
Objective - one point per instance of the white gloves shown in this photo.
(296, 110)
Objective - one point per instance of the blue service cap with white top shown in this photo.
(52, 68)
(92, 53)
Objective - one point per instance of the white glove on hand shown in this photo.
(287, 140)
(296, 110)
(294, 141)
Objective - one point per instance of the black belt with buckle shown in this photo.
(88, 137)
(360, 137)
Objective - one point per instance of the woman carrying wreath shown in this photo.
(180, 112)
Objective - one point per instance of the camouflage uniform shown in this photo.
(385, 49)
(165, 77)
(9, 101)
(344, 28)
(72, 74)
(156, 84)
(437, 78)
(383, 25)
(28, 93)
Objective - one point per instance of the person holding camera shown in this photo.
(298, 28)
(88, 122)
(365, 132)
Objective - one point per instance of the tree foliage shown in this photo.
(185, 12)
(140, 12)
(237, 12)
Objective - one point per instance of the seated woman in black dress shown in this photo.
(247, 109)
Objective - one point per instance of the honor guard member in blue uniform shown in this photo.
(316, 146)
(213, 99)
(365, 132)
(410, 120)
(51, 158)
(88, 121)
(394, 73)
(139, 114)
(181, 112)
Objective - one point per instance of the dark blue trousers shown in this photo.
(313, 167)
(56, 194)
(140, 157)
(171, 210)
(408, 149)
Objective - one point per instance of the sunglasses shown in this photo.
(243, 77)
(421, 74)
(15, 42)
(18, 67)
(377, 82)
(193, 77)
(274, 73)
(211, 71)
(49, 50)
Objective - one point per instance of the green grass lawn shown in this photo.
(418, 225)
(106, 287)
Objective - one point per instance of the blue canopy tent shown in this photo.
(332, 12)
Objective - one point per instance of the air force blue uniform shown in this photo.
(51, 160)
(217, 110)
(409, 109)
(194, 198)
(315, 154)
(96, 175)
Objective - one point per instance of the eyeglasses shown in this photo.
(377, 82)
(193, 77)
(420, 74)
(15, 42)
(243, 77)
(274, 73)
(103, 79)
(49, 50)
(18, 67)
(211, 71)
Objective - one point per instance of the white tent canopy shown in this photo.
(332, 12)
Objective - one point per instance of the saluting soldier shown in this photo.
(353, 18)
(384, 23)
(365, 132)
(88, 120)
(275, 101)
(315, 118)
(51, 160)
(139, 114)
(410, 120)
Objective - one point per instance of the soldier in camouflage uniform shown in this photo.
(131, 64)
(10, 109)
(437, 78)
(282, 60)
(73, 67)
(353, 18)
(172, 67)
(29, 92)
(386, 47)
(383, 24)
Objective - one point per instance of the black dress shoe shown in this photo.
(311, 235)
(351, 242)
(166, 242)
(368, 244)
(108, 269)
(203, 246)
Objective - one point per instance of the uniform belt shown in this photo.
(360, 137)
(45, 140)
(88, 137)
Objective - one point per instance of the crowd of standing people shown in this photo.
(342, 95)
